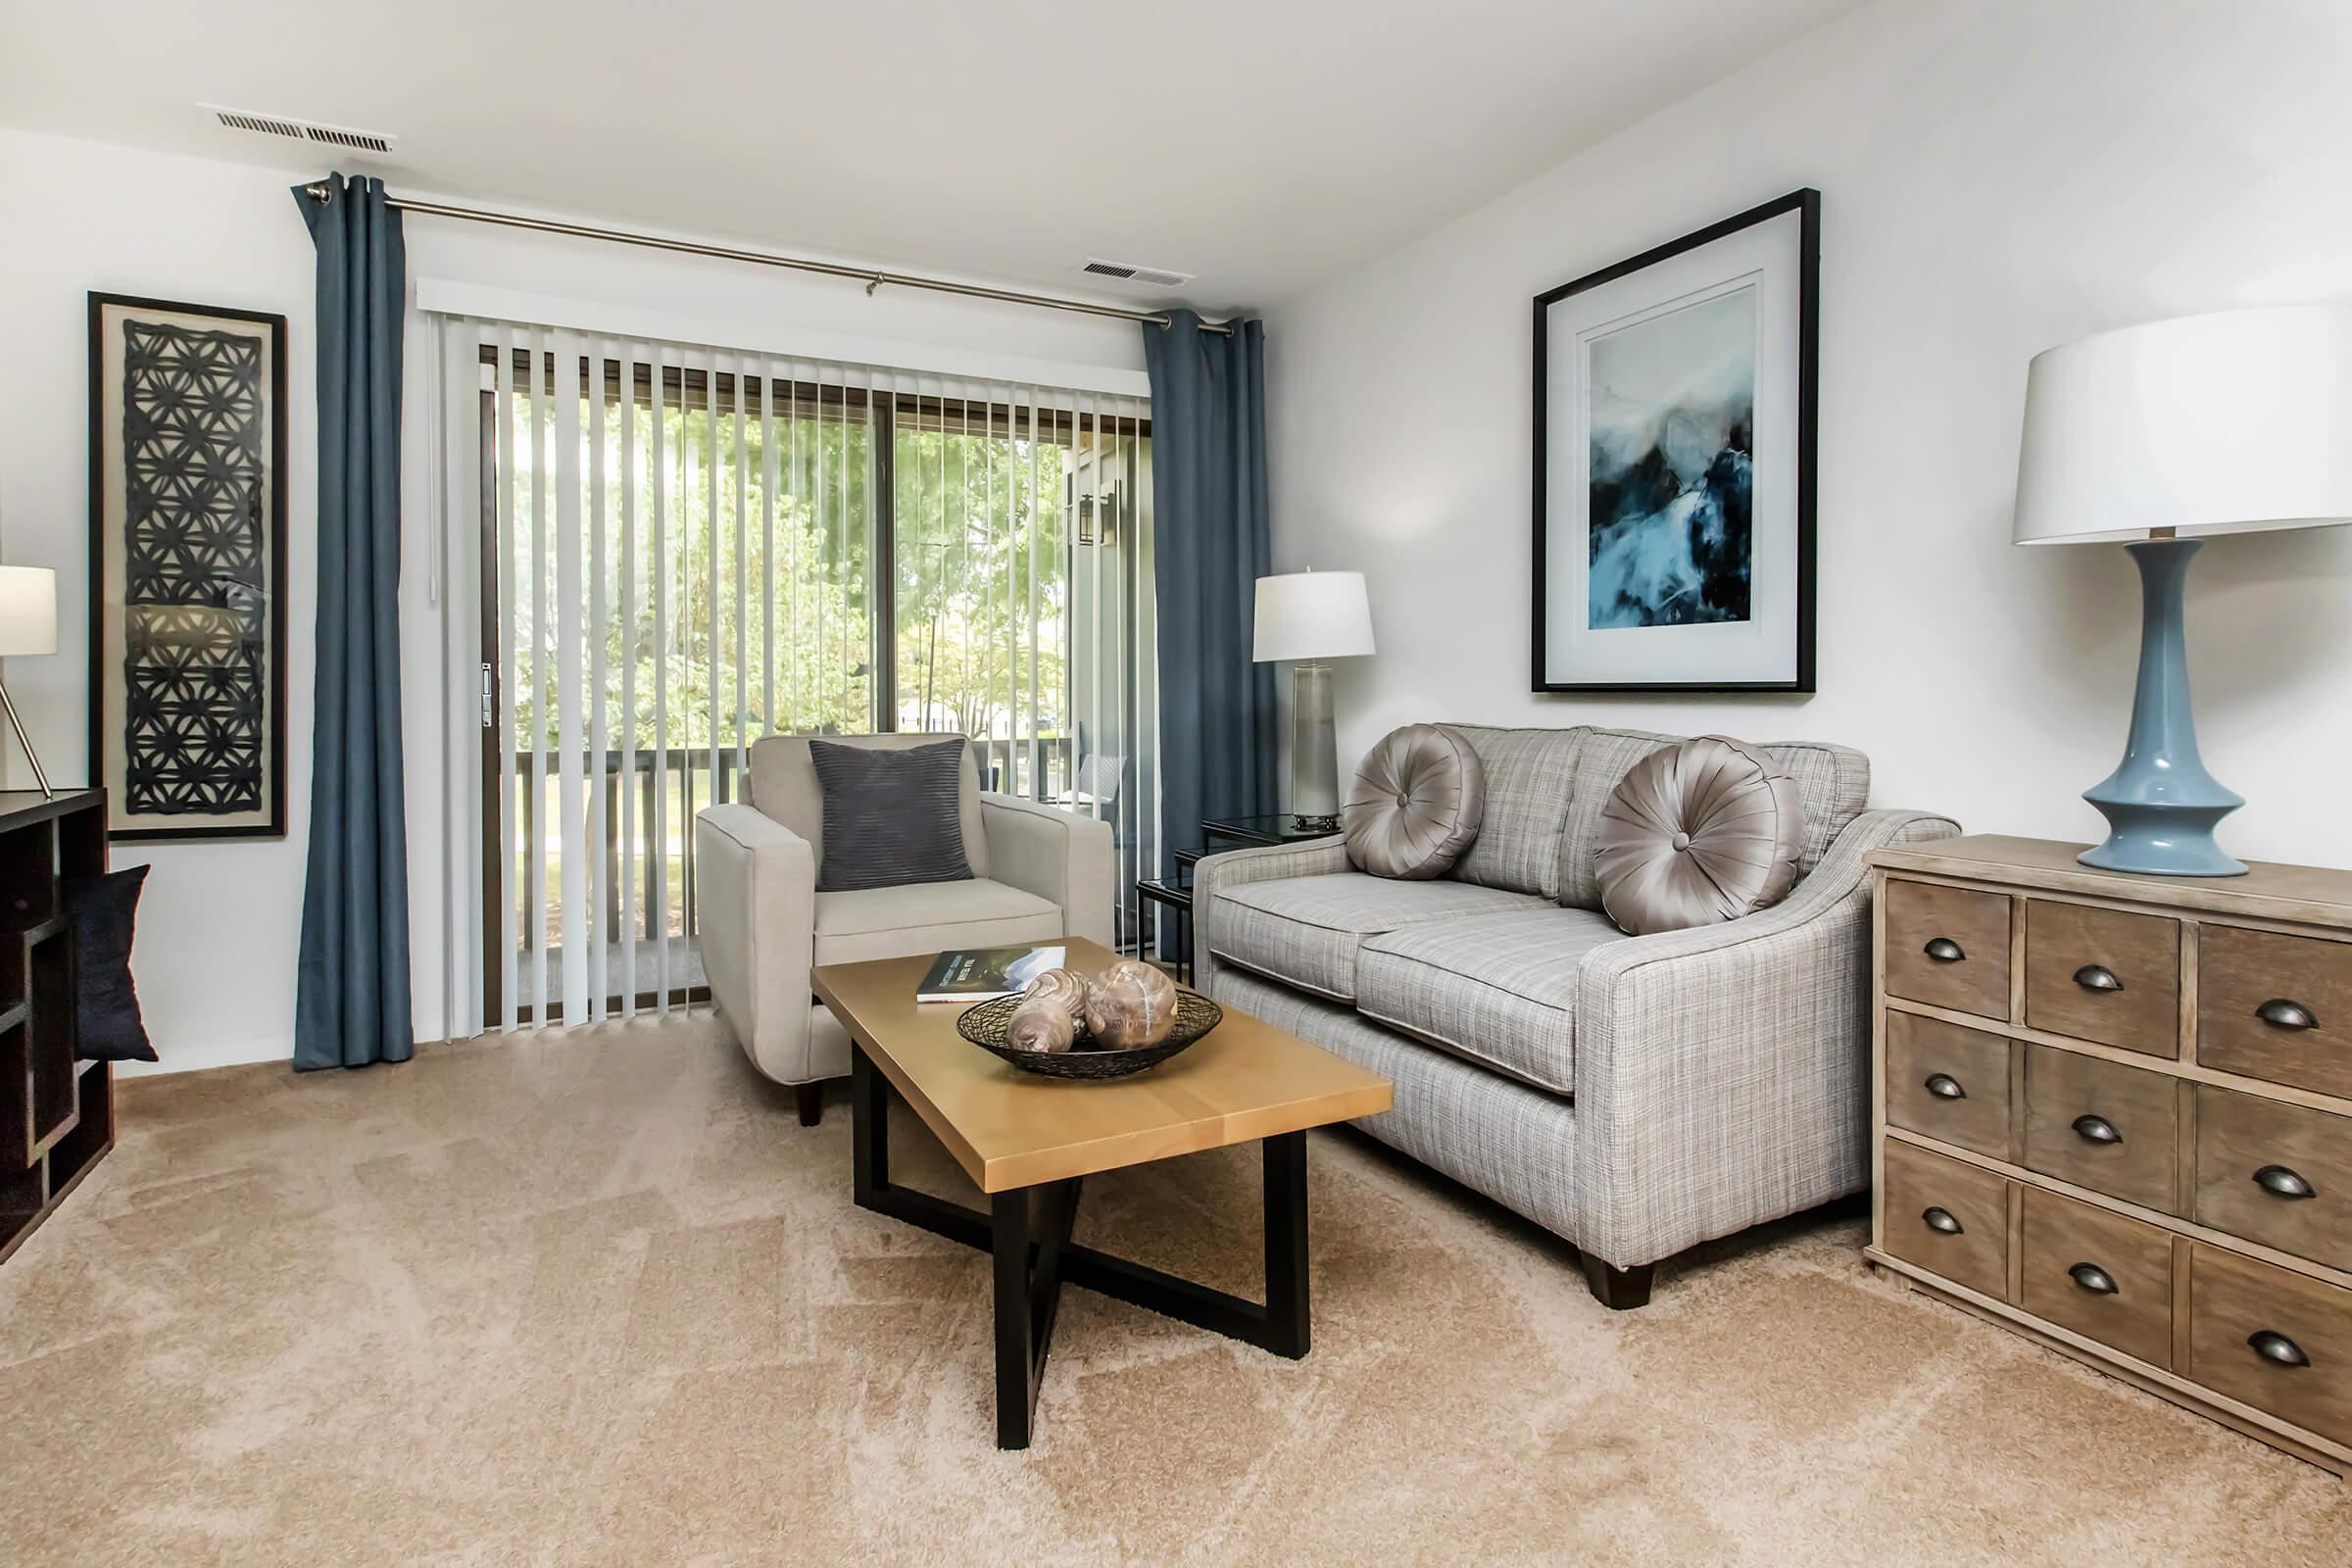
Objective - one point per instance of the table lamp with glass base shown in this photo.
(27, 625)
(1305, 618)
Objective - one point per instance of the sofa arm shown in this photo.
(1266, 862)
(1064, 857)
(1722, 1072)
(755, 882)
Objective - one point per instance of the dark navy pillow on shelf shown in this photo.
(891, 816)
(102, 909)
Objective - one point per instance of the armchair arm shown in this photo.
(1266, 862)
(1066, 856)
(1722, 1072)
(756, 884)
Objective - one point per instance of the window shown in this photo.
(685, 550)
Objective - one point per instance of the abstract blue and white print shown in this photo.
(1673, 427)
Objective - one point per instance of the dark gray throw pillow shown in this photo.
(101, 909)
(892, 818)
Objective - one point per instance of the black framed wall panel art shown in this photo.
(187, 569)
(1675, 405)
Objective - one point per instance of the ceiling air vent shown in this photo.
(1125, 272)
(364, 141)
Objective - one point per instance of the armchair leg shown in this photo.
(1620, 1290)
(812, 1101)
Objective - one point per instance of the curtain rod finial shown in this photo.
(318, 190)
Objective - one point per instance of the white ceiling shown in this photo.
(1262, 144)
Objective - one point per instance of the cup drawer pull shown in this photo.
(2280, 1014)
(2092, 1278)
(1944, 1086)
(2097, 1130)
(2097, 977)
(2278, 1349)
(1941, 1221)
(1943, 950)
(2281, 1182)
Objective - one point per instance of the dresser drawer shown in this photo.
(2105, 1276)
(1949, 1217)
(1948, 1082)
(2276, 1173)
(2239, 1309)
(2275, 1007)
(2101, 1125)
(2104, 975)
(1949, 947)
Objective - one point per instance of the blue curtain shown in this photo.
(351, 1002)
(1217, 743)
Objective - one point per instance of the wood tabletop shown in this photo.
(1006, 1128)
(2306, 892)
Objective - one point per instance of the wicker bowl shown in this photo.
(983, 1026)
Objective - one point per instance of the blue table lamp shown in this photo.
(2157, 435)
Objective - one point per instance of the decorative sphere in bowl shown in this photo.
(1066, 985)
(1131, 1003)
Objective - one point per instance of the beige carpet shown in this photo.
(597, 1299)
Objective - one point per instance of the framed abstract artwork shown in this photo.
(1675, 412)
(187, 569)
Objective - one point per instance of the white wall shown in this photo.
(1997, 179)
(219, 923)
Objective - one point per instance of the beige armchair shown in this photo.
(1037, 874)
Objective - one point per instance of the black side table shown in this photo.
(1277, 828)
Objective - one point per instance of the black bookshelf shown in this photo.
(57, 1113)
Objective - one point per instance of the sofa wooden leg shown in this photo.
(811, 1100)
(1620, 1290)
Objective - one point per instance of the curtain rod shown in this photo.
(870, 276)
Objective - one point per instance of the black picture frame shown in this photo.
(1806, 203)
(273, 750)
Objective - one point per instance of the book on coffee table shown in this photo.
(982, 974)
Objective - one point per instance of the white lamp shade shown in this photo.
(2222, 423)
(28, 610)
(1311, 614)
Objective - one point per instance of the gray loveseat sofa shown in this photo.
(1633, 1095)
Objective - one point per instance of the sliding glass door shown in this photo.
(685, 550)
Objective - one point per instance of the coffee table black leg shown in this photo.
(869, 1130)
(1027, 1232)
(1287, 1331)
(1019, 1367)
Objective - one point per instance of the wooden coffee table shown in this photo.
(1028, 1142)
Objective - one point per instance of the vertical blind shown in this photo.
(684, 549)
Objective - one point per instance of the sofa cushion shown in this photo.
(928, 918)
(1697, 834)
(1420, 797)
(1529, 772)
(1499, 989)
(1306, 929)
(784, 787)
(1832, 783)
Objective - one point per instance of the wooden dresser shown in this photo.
(2115, 1112)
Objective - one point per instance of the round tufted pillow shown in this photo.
(1696, 834)
(1416, 804)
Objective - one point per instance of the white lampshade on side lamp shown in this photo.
(27, 625)
(1305, 618)
(2156, 435)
